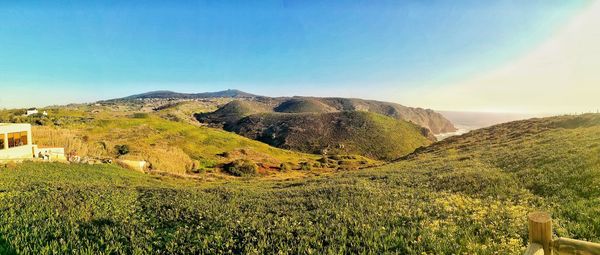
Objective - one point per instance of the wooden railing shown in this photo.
(541, 243)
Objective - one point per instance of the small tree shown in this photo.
(241, 167)
(284, 167)
(122, 149)
(305, 166)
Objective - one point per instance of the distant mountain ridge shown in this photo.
(166, 94)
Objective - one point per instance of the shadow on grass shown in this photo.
(5, 248)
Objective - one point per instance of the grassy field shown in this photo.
(466, 195)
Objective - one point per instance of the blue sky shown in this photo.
(76, 51)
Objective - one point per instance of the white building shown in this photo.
(15, 142)
(16, 145)
(31, 111)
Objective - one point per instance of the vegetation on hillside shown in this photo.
(165, 94)
(229, 114)
(362, 133)
(169, 145)
(309, 105)
(465, 195)
(163, 133)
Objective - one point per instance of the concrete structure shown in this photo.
(15, 142)
(16, 145)
(51, 154)
(138, 165)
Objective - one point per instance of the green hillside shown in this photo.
(363, 133)
(465, 195)
(234, 111)
(297, 105)
(327, 125)
(428, 118)
(165, 138)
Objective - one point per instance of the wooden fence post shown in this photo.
(568, 246)
(540, 230)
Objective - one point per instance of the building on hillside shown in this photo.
(16, 144)
(33, 111)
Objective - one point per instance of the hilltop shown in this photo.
(165, 94)
(465, 195)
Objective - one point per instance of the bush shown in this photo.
(196, 167)
(140, 115)
(284, 167)
(198, 170)
(122, 149)
(305, 166)
(241, 167)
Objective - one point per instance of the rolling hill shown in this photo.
(464, 195)
(429, 119)
(379, 130)
(363, 133)
(229, 114)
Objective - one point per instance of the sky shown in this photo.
(515, 56)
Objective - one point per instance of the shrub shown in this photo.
(241, 167)
(196, 167)
(122, 149)
(323, 160)
(140, 115)
(284, 167)
(305, 166)
(198, 170)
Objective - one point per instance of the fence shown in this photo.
(541, 243)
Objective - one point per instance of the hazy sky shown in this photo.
(528, 56)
